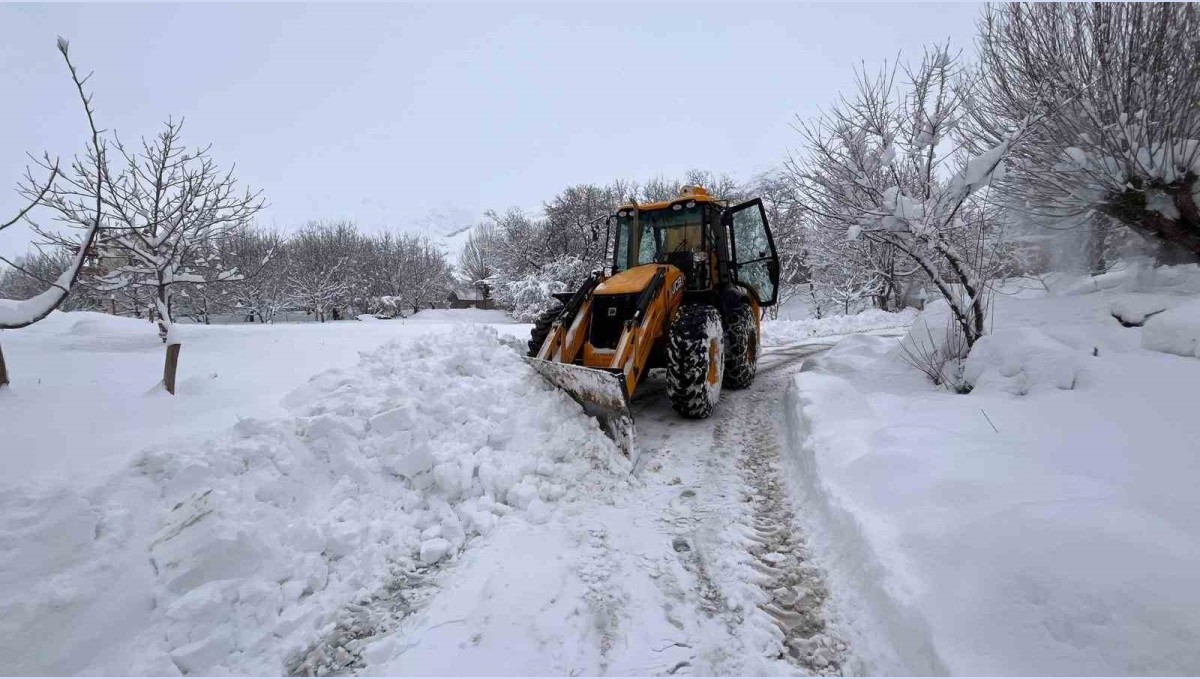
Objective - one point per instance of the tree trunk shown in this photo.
(1096, 245)
(1180, 237)
(170, 367)
(163, 308)
(3, 370)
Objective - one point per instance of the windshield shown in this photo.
(657, 234)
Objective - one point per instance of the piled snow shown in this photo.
(1020, 360)
(103, 371)
(1133, 309)
(781, 332)
(1175, 331)
(235, 555)
(1022, 529)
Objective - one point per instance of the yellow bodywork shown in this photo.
(628, 281)
(696, 193)
(570, 345)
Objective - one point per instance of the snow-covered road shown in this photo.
(694, 564)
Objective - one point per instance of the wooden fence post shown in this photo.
(170, 367)
(3, 369)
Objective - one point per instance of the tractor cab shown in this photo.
(681, 232)
(713, 245)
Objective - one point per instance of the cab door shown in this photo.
(755, 262)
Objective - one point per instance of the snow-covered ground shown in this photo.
(1043, 524)
(408, 498)
(784, 331)
(428, 506)
(235, 553)
(388, 497)
(83, 399)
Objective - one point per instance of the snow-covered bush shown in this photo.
(936, 346)
(529, 295)
(1019, 360)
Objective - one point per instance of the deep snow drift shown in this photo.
(1045, 523)
(236, 554)
(83, 400)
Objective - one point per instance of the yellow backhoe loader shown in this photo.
(685, 291)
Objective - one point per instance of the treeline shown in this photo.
(327, 270)
(1072, 137)
(1069, 137)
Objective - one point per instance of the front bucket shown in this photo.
(600, 392)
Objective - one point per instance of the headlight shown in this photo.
(691, 203)
(677, 206)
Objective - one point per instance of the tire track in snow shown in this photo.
(339, 652)
(740, 490)
(696, 566)
(795, 587)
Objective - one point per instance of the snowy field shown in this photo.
(408, 498)
(157, 550)
(787, 331)
(98, 375)
(1043, 524)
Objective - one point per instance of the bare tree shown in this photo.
(165, 209)
(319, 258)
(1117, 84)
(17, 314)
(476, 263)
(262, 259)
(882, 166)
(20, 313)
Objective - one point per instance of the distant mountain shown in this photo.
(448, 228)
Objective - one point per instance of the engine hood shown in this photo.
(632, 280)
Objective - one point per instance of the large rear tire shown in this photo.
(741, 347)
(695, 360)
(541, 327)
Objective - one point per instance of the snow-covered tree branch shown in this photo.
(1116, 86)
(883, 178)
(20, 313)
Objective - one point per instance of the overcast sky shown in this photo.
(405, 114)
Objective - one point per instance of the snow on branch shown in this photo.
(21, 313)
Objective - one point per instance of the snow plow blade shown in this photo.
(601, 393)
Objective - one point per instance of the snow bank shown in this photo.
(1020, 360)
(1022, 529)
(103, 369)
(1175, 331)
(235, 555)
(781, 332)
(1133, 309)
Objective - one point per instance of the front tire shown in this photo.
(695, 361)
(541, 327)
(741, 348)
